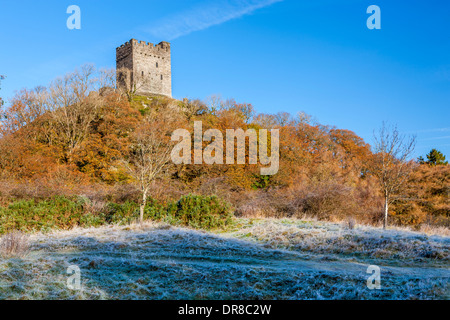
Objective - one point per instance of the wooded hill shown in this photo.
(74, 138)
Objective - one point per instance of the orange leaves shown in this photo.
(31, 145)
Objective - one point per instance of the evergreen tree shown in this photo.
(435, 158)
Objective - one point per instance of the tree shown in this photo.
(191, 108)
(390, 163)
(106, 78)
(1, 78)
(75, 106)
(130, 83)
(149, 156)
(436, 158)
(26, 106)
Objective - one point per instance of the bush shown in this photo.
(65, 213)
(327, 201)
(201, 212)
(121, 213)
(14, 244)
(54, 213)
(407, 213)
(29, 215)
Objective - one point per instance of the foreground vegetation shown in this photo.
(255, 259)
(201, 212)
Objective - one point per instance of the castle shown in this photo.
(144, 68)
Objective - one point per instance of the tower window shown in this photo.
(157, 64)
(142, 73)
(161, 77)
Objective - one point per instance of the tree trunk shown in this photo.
(386, 210)
(142, 207)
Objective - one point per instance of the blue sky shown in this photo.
(288, 55)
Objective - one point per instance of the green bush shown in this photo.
(128, 212)
(200, 212)
(64, 213)
(121, 213)
(29, 215)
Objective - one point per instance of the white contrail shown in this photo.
(429, 130)
(205, 16)
(435, 138)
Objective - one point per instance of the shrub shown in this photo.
(55, 213)
(327, 201)
(29, 215)
(65, 213)
(201, 212)
(407, 213)
(14, 244)
(128, 212)
(121, 213)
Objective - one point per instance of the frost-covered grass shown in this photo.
(336, 241)
(258, 259)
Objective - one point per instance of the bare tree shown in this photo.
(149, 155)
(106, 78)
(68, 107)
(75, 106)
(1, 78)
(390, 163)
(130, 83)
(26, 106)
(191, 108)
(283, 118)
(215, 103)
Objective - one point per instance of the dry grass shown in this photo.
(14, 244)
(350, 223)
(435, 230)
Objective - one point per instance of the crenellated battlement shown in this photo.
(160, 48)
(146, 63)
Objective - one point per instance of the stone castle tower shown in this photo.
(144, 67)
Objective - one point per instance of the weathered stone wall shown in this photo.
(146, 66)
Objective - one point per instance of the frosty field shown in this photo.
(256, 259)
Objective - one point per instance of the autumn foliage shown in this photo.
(72, 139)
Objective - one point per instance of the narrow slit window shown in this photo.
(161, 77)
(157, 65)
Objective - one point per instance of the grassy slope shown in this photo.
(259, 259)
